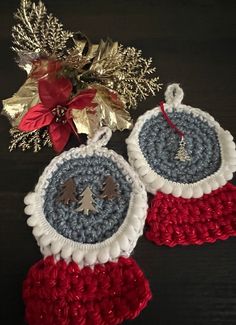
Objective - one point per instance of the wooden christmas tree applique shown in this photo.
(109, 189)
(86, 203)
(68, 192)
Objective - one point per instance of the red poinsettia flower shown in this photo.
(54, 110)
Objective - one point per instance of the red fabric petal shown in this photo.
(59, 135)
(83, 99)
(37, 117)
(53, 92)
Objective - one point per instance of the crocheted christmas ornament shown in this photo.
(87, 212)
(185, 158)
(73, 86)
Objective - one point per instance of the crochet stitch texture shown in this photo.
(87, 276)
(192, 203)
(47, 218)
(152, 147)
(175, 221)
(62, 294)
(109, 214)
(159, 145)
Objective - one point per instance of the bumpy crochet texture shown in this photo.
(97, 226)
(159, 144)
(177, 221)
(61, 293)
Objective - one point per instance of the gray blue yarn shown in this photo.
(159, 144)
(96, 226)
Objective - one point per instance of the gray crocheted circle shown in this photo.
(110, 214)
(159, 144)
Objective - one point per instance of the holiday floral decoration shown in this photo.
(73, 86)
(55, 110)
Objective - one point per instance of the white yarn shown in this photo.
(101, 137)
(153, 181)
(120, 243)
(174, 95)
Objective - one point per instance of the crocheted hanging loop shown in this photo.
(156, 149)
(110, 227)
(185, 159)
(87, 212)
(174, 95)
(101, 137)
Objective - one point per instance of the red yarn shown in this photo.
(177, 221)
(171, 124)
(56, 293)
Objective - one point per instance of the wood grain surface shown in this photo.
(191, 42)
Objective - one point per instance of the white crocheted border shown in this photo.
(155, 182)
(120, 243)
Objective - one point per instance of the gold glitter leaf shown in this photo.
(133, 78)
(86, 121)
(81, 53)
(39, 32)
(29, 140)
(110, 111)
(16, 106)
(106, 51)
(125, 71)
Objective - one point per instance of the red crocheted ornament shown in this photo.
(56, 293)
(177, 221)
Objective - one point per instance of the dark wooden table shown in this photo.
(191, 42)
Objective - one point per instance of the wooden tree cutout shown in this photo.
(68, 192)
(109, 188)
(86, 203)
